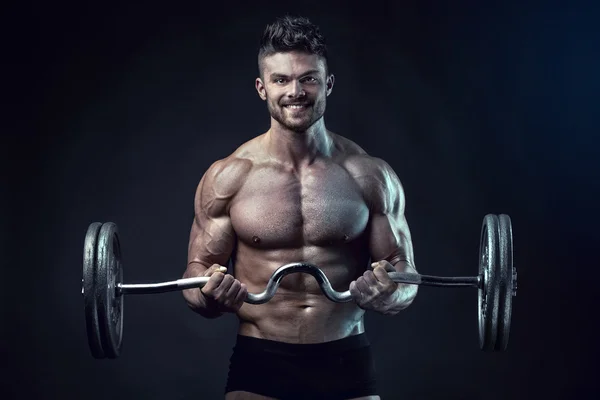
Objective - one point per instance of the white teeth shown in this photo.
(294, 106)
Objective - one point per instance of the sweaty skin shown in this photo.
(339, 212)
(298, 192)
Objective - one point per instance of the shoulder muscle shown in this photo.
(219, 184)
(380, 184)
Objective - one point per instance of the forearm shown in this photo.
(193, 297)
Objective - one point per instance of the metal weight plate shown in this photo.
(110, 302)
(488, 297)
(507, 285)
(88, 290)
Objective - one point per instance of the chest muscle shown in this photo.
(278, 209)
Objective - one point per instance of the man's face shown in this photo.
(295, 87)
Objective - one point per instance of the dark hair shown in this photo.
(292, 33)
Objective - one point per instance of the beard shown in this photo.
(297, 121)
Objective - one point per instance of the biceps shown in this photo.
(211, 241)
(390, 239)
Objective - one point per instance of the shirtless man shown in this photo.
(299, 192)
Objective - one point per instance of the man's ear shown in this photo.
(260, 88)
(329, 83)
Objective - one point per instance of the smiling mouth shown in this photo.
(296, 106)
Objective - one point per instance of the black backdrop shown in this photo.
(115, 111)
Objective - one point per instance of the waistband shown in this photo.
(252, 344)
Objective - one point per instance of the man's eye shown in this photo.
(279, 80)
(310, 79)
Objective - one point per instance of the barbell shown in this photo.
(103, 289)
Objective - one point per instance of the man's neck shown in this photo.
(298, 148)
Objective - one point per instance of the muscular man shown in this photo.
(299, 192)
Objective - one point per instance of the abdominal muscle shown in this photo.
(299, 312)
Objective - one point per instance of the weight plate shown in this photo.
(488, 293)
(505, 271)
(110, 302)
(88, 290)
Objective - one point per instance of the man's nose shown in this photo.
(296, 90)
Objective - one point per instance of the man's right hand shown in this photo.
(222, 292)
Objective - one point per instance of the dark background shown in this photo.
(114, 112)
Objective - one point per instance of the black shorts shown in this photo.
(336, 370)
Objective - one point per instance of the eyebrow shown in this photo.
(310, 72)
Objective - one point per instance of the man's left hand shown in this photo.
(375, 290)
